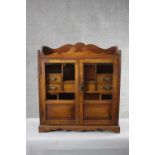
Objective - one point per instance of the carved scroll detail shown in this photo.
(78, 47)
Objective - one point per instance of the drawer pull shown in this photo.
(107, 87)
(107, 79)
(53, 88)
(81, 87)
(53, 78)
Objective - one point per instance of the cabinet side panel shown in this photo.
(116, 91)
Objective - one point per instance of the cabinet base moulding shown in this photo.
(46, 128)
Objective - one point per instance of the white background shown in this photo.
(13, 77)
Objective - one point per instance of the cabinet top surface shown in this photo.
(78, 51)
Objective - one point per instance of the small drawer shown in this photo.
(69, 87)
(90, 87)
(104, 88)
(54, 88)
(54, 78)
(105, 78)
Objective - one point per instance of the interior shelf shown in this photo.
(98, 102)
(60, 102)
(103, 92)
(69, 82)
(90, 81)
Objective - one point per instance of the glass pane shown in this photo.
(104, 68)
(60, 81)
(91, 96)
(66, 96)
(68, 72)
(106, 97)
(98, 79)
(89, 72)
(53, 68)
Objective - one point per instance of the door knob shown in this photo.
(53, 78)
(107, 87)
(52, 88)
(107, 79)
(81, 87)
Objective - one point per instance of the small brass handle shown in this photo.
(107, 79)
(107, 87)
(52, 88)
(81, 87)
(53, 78)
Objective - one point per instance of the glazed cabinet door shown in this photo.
(98, 91)
(59, 84)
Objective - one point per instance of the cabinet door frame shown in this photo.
(116, 88)
(42, 93)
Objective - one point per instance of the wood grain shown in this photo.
(83, 111)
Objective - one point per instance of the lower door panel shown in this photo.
(96, 112)
(60, 112)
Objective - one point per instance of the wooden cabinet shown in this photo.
(79, 88)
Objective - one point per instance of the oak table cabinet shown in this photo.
(79, 88)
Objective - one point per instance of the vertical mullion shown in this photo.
(95, 77)
(62, 73)
(81, 66)
(43, 89)
(76, 91)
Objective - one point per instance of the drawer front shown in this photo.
(54, 78)
(54, 88)
(69, 87)
(90, 87)
(104, 78)
(104, 88)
